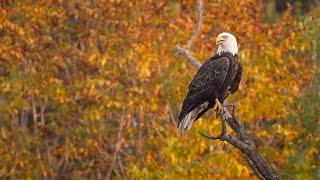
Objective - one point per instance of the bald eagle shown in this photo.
(216, 79)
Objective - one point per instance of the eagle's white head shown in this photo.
(226, 42)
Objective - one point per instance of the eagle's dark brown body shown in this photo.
(217, 78)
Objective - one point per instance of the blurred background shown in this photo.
(92, 88)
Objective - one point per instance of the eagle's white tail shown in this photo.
(188, 120)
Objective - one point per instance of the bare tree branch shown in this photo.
(240, 140)
(118, 144)
(184, 52)
(199, 24)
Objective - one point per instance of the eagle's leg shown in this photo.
(226, 105)
(231, 106)
(219, 109)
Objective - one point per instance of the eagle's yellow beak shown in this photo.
(219, 40)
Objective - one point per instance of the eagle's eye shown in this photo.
(225, 37)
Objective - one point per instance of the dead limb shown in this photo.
(199, 24)
(185, 52)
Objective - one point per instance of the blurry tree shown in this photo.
(304, 158)
(274, 8)
(301, 6)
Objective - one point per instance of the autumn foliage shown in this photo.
(93, 89)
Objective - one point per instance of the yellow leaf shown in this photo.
(93, 58)
(104, 61)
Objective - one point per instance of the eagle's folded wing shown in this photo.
(203, 87)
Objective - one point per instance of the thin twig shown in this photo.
(209, 136)
(199, 24)
(43, 104)
(121, 168)
(184, 51)
(34, 115)
(118, 145)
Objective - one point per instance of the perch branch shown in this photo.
(253, 167)
(240, 139)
